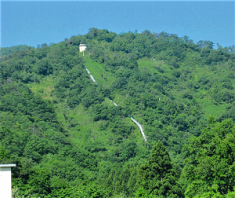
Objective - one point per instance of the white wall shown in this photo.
(5, 182)
(82, 48)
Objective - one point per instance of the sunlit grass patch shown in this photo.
(98, 72)
(43, 88)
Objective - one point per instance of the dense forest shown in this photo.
(69, 140)
(9, 50)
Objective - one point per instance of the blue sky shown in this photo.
(37, 22)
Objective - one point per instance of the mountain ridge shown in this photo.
(53, 115)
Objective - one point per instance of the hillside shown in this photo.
(4, 51)
(69, 140)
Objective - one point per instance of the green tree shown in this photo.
(39, 181)
(209, 166)
(158, 176)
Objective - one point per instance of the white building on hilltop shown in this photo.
(82, 47)
(5, 180)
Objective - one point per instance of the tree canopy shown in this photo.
(68, 138)
(159, 177)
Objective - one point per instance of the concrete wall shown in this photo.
(5, 182)
(82, 47)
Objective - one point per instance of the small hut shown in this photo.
(82, 47)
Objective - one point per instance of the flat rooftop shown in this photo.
(7, 165)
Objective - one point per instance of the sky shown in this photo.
(38, 22)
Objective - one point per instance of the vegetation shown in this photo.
(10, 50)
(69, 140)
(158, 176)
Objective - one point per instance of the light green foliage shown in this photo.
(69, 140)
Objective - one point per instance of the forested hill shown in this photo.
(69, 140)
(9, 50)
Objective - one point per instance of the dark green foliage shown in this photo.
(44, 67)
(101, 35)
(209, 165)
(121, 180)
(69, 140)
(229, 113)
(9, 50)
(158, 177)
(39, 181)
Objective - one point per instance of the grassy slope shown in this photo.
(98, 72)
(44, 88)
(79, 121)
(152, 65)
(208, 106)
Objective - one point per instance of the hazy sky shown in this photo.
(37, 22)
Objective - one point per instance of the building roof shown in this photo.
(7, 165)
